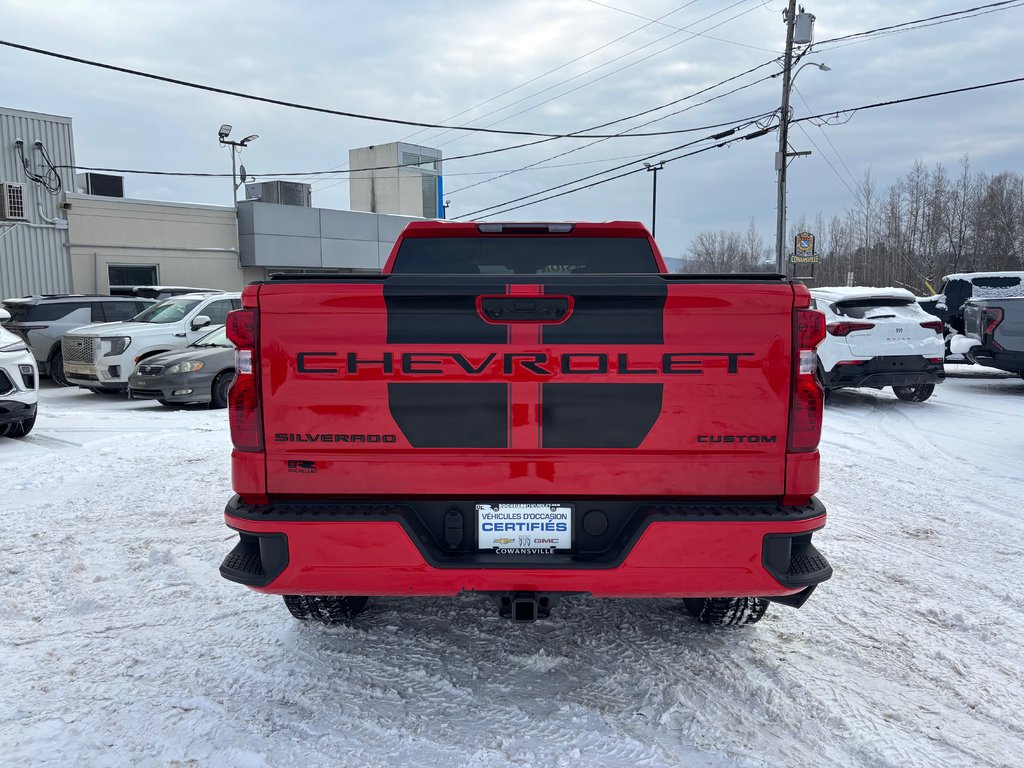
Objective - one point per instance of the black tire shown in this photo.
(55, 368)
(326, 609)
(726, 611)
(167, 403)
(914, 394)
(219, 389)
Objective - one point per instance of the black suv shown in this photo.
(42, 320)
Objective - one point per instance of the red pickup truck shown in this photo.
(527, 411)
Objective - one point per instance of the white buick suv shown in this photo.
(879, 337)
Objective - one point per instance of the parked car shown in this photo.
(102, 357)
(42, 320)
(879, 337)
(200, 373)
(948, 304)
(19, 383)
(997, 327)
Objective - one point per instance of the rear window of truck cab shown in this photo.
(536, 255)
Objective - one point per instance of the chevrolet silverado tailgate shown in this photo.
(508, 386)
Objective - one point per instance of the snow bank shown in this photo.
(961, 345)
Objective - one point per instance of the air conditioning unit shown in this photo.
(12, 203)
(102, 184)
(281, 193)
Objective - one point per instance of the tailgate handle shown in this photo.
(524, 309)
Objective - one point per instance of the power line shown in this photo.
(762, 131)
(556, 69)
(713, 137)
(373, 168)
(672, 26)
(605, 76)
(305, 107)
(826, 137)
(949, 15)
(753, 135)
(534, 79)
(853, 110)
(650, 122)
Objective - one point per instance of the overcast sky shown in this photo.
(563, 65)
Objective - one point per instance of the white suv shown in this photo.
(879, 337)
(101, 357)
(19, 383)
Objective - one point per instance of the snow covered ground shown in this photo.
(120, 645)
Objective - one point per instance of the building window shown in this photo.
(128, 275)
(417, 162)
(429, 196)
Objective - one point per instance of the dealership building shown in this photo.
(62, 232)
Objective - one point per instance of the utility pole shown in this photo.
(780, 156)
(654, 194)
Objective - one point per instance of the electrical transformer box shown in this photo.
(803, 29)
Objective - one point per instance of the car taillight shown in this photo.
(807, 401)
(245, 414)
(845, 329)
(935, 325)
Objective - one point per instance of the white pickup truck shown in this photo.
(101, 357)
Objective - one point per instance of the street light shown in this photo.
(654, 193)
(782, 156)
(222, 137)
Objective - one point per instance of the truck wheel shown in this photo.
(726, 611)
(219, 389)
(55, 367)
(917, 394)
(327, 609)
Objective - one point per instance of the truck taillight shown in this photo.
(845, 329)
(991, 317)
(807, 401)
(245, 415)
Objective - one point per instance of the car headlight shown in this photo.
(16, 346)
(187, 367)
(118, 344)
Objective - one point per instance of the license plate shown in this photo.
(76, 368)
(524, 529)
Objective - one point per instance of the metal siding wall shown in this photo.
(33, 259)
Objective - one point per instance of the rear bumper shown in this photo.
(894, 371)
(697, 549)
(1002, 359)
(15, 411)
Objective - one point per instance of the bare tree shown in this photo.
(720, 251)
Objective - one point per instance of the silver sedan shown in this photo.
(199, 373)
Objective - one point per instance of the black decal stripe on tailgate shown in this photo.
(604, 312)
(451, 415)
(599, 415)
(425, 309)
